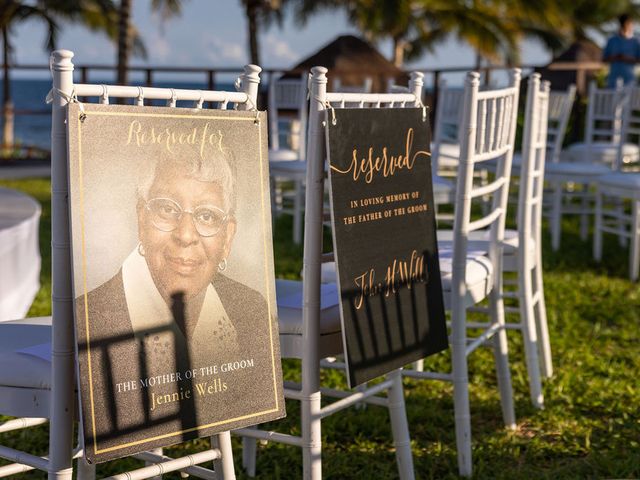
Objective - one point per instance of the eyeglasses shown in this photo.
(166, 215)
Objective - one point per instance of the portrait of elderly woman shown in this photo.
(172, 340)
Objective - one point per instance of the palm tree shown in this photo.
(260, 13)
(96, 14)
(129, 42)
(416, 25)
(585, 17)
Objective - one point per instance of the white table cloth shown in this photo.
(19, 253)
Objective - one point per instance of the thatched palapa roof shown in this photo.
(581, 51)
(353, 60)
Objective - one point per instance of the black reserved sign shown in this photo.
(384, 232)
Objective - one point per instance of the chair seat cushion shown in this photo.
(479, 242)
(601, 151)
(25, 353)
(290, 319)
(478, 275)
(621, 180)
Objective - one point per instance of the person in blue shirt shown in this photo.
(622, 52)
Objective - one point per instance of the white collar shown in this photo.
(148, 310)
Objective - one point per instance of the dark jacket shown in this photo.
(125, 413)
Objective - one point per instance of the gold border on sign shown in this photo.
(84, 278)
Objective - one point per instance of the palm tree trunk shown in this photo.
(399, 45)
(7, 105)
(124, 41)
(478, 60)
(252, 17)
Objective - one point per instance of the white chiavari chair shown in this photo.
(603, 131)
(522, 247)
(314, 333)
(445, 147)
(571, 178)
(470, 275)
(616, 188)
(560, 106)
(288, 147)
(287, 134)
(488, 126)
(35, 389)
(558, 113)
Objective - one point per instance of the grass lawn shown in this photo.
(590, 427)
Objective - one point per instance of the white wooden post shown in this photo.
(63, 350)
(310, 403)
(496, 299)
(527, 225)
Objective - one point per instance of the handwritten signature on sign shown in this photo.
(399, 273)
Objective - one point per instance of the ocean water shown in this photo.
(32, 126)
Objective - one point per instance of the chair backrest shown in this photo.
(630, 124)
(446, 127)
(560, 105)
(604, 115)
(487, 127)
(288, 94)
(534, 146)
(64, 91)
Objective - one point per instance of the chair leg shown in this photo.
(619, 207)
(310, 417)
(223, 466)
(249, 452)
(400, 427)
(597, 228)
(501, 354)
(540, 309)
(584, 216)
(530, 336)
(556, 216)
(62, 408)
(461, 405)
(634, 254)
(298, 203)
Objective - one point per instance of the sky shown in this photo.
(212, 33)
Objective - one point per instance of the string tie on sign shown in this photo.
(140, 99)
(174, 98)
(73, 98)
(329, 107)
(104, 98)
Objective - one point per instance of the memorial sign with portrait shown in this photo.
(175, 314)
(384, 230)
